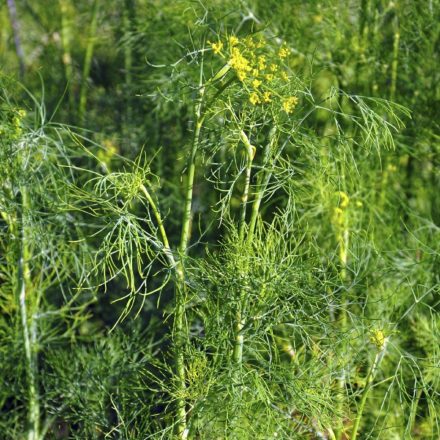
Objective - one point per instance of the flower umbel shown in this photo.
(289, 104)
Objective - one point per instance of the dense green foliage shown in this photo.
(219, 219)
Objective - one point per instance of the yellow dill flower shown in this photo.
(233, 40)
(216, 47)
(378, 338)
(254, 99)
(283, 52)
(262, 62)
(345, 200)
(239, 63)
(273, 67)
(256, 83)
(267, 97)
(241, 75)
(289, 104)
(255, 72)
(284, 76)
(269, 76)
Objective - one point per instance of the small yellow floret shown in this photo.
(239, 63)
(262, 62)
(283, 52)
(256, 83)
(217, 47)
(254, 99)
(267, 97)
(378, 338)
(233, 40)
(289, 104)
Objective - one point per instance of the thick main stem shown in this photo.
(28, 326)
(180, 291)
(179, 322)
(262, 183)
(239, 321)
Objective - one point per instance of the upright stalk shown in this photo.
(239, 321)
(128, 17)
(23, 287)
(250, 151)
(369, 383)
(262, 182)
(180, 290)
(343, 242)
(395, 61)
(66, 34)
(88, 61)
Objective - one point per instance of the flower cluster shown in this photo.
(378, 338)
(260, 70)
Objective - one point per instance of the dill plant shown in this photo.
(252, 325)
(42, 264)
(268, 271)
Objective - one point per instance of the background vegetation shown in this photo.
(219, 219)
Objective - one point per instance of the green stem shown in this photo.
(369, 383)
(413, 412)
(239, 321)
(88, 61)
(395, 62)
(343, 238)
(166, 244)
(261, 186)
(128, 15)
(67, 55)
(262, 182)
(28, 324)
(186, 222)
(180, 291)
(250, 151)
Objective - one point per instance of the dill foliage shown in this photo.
(219, 220)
